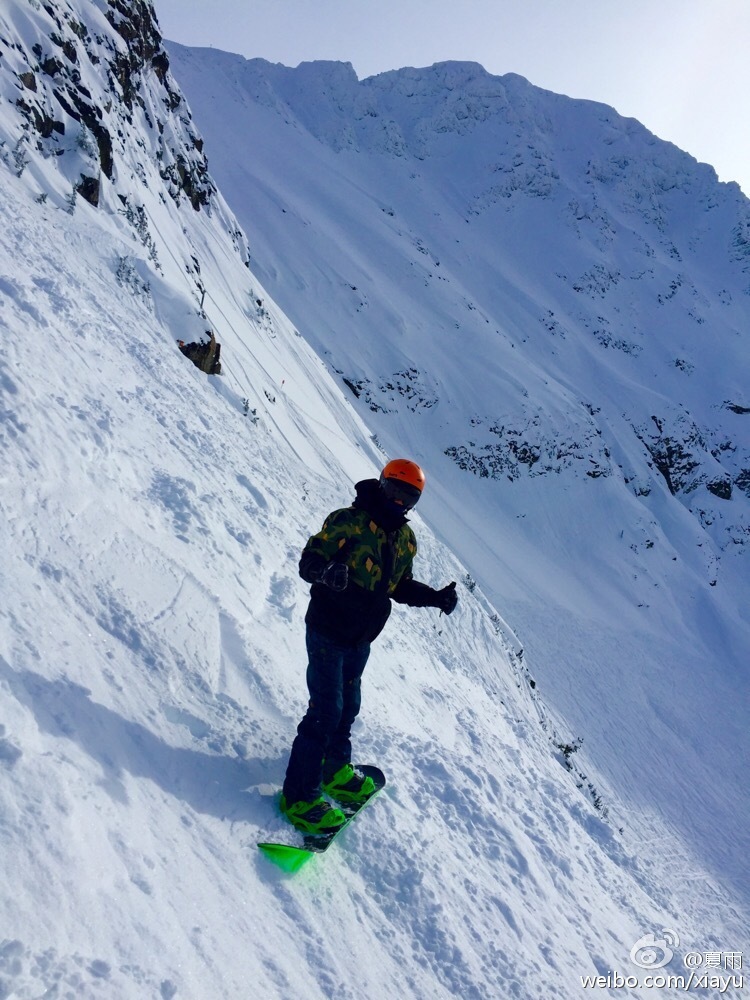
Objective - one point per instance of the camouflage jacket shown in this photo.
(379, 547)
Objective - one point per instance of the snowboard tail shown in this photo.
(291, 859)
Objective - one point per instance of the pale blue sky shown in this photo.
(682, 67)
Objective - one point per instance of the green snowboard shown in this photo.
(291, 859)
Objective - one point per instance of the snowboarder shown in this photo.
(359, 561)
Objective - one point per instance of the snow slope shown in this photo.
(549, 306)
(151, 646)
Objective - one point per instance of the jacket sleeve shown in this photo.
(321, 549)
(415, 594)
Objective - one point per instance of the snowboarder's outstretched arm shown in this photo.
(420, 595)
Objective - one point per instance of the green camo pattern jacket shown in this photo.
(379, 549)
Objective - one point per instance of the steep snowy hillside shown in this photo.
(550, 307)
(151, 622)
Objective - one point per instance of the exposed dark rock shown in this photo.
(204, 355)
(408, 384)
(675, 457)
(90, 115)
(67, 45)
(40, 119)
(79, 30)
(194, 182)
(88, 188)
(742, 482)
(160, 63)
(741, 240)
(53, 89)
(721, 488)
(532, 448)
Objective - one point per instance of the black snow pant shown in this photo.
(334, 675)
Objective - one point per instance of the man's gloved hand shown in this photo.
(335, 575)
(447, 598)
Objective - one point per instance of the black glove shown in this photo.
(447, 599)
(335, 575)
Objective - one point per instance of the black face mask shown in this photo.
(401, 496)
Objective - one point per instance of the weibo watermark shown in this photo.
(650, 952)
(717, 971)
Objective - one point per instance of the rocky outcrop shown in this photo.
(85, 75)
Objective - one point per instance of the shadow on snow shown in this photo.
(208, 783)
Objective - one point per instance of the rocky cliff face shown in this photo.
(90, 85)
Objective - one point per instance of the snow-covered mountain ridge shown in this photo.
(548, 306)
(151, 626)
(639, 248)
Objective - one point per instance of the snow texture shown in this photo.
(151, 518)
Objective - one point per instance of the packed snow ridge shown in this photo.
(420, 283)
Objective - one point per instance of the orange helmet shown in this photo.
(402, 482)
(405, 471)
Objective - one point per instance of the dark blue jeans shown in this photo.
(334, 673)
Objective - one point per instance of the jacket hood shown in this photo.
(370, 498)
